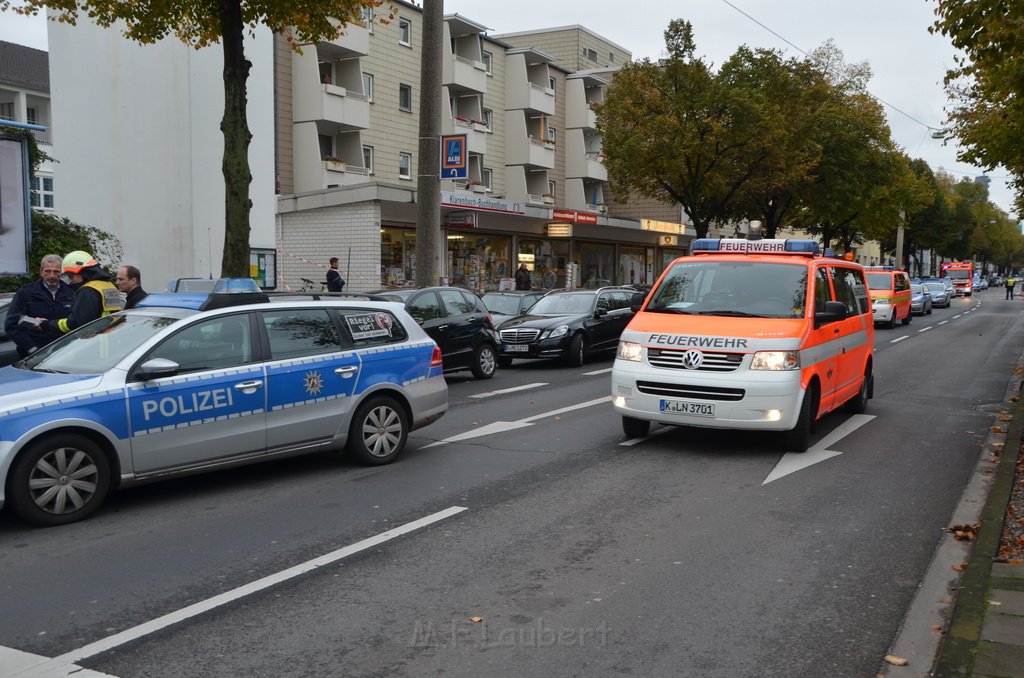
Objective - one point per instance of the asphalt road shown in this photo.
(572, 551)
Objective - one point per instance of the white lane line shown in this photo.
(924, 329)
(16, 660)
(104, 644)
(502, 426)
(943, 322)
(957, 316)
(636, 441)
(899, 339)
(792, 462)
(509, 390)
(604, 371)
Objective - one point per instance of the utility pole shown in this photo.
(428, 180)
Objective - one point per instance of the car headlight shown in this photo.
(630, 350)
(559, 331)
(775, 360)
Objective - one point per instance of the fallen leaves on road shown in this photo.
(960, 567)
(476, 619)
(964, 532)
(896, 661)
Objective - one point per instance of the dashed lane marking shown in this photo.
(513, 389)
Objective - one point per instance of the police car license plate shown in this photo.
(517, 348)
(681, 407)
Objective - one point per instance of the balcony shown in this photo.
(355, 41)
(462, 73)
(334, 104)
(342, 174)
(475, 131)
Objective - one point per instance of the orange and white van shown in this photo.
(747, 334)
(890, 295)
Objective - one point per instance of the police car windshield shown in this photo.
(733, 288)
(98, 346)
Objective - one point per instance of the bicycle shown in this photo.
(310, 286)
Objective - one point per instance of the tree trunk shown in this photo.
(235, 127)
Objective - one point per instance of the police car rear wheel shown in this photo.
(635, 428)
(484, 362)
(59, 480)
(379, 431)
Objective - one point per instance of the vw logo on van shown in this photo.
(693, 359)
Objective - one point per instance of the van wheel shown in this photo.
(905, 321)
(378, 432)
(59, 480)
(484, 362)
(859, 403)
(798, 439)
(635, 428)
(892, 321)
(576, 350)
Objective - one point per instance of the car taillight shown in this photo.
(435, 359)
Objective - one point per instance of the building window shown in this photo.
(31, 116)
(551, 83)
(368, 86)
(551, 134)
(488, 59)
(589, 54)
(485, 178)
(611, 57)
(405, 97)
(368, 159)
(405, 32)
(7, 111)
(42, 192)
(326, 72)
(405, 165)
(368, 18)
(326, 146)
(551, 189)
(488, 117)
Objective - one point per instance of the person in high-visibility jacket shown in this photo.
(95, 295)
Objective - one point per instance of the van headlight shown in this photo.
(775, 360)
(630, 350)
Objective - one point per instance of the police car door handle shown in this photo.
(346, 372)
(248, 385)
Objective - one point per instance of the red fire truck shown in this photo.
(962, 275)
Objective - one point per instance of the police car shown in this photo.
(747, 334)
(191, 382)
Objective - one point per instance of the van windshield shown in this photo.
(879, 281)
(731, 288)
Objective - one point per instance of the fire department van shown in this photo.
(890, 295)
(747, 334)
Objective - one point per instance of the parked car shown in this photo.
(940, 294)
(567, 324)
(186, 383)
(191, 285)
(458, 321)
(920, 299)
(8, 351)
(979, 283)
(510, 303)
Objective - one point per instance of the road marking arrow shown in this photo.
(792, 462)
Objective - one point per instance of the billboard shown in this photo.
(15, 212)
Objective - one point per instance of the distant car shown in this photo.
(191, 285)
(457, 320)
(567, 324)
(939, 292)
(510, 303)
(187, 383)
(8, 351)
(978, 284)
(920, 299)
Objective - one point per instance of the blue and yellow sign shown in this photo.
(454, 157)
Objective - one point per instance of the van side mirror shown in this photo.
(834, 310)
(636, 301)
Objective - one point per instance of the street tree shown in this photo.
(987, 83)
(201, 24)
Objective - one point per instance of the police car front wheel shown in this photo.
(379, 431)
(59, 480)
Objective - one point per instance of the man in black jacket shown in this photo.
(48, 298)
(129, 282)
(334, 281)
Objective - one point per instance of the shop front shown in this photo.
(397, 256)
(478, 261)
(545, 259)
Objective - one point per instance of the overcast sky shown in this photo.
(908, 63)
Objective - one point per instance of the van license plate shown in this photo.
(517, 348)
(681, 407)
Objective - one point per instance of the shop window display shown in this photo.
(545, 259)
(397, 257)
(478, 262)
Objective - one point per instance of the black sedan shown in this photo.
(507, 304)
(567, 324)
(457, 320)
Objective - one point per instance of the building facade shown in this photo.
(25, 98)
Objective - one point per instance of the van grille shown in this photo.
(659, 388)
(519, 335)
(713, 362)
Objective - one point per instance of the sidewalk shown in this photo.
(985, 637)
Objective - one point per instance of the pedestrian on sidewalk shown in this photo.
(1010, 282)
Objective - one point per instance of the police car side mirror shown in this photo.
(636, 301)
(834, 310)
(157, 368)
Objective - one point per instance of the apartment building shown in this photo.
(334, 155)
(25, 98)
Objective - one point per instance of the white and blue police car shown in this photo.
(186, 383)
